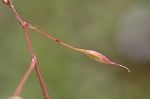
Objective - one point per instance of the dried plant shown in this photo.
(34, 64)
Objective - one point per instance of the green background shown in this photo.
(88, 24)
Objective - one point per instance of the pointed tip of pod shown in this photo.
(121, 66)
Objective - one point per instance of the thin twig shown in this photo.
(34, 61)
(24, 79)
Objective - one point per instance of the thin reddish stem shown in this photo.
(16, 13)
(45, 92)
(24, 79)
(52, 38)
(21, 85)
(28, 40)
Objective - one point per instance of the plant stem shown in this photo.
(24, 79)
(52, 38)
(34, 63)
(45, 92)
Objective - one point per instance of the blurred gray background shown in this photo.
(119, 29)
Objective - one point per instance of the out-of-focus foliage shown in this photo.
(89, 24)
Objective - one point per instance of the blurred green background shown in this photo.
(106, 26)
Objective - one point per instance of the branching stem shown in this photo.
(34, 63)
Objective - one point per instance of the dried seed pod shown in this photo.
(100, 58)
(7, 2)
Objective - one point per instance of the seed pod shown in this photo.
(100, 58)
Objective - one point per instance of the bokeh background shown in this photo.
(119, 29)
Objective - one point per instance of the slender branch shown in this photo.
(21, 85)
(24, 79)
(45, 92)
(52, 38)
(28, 40)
